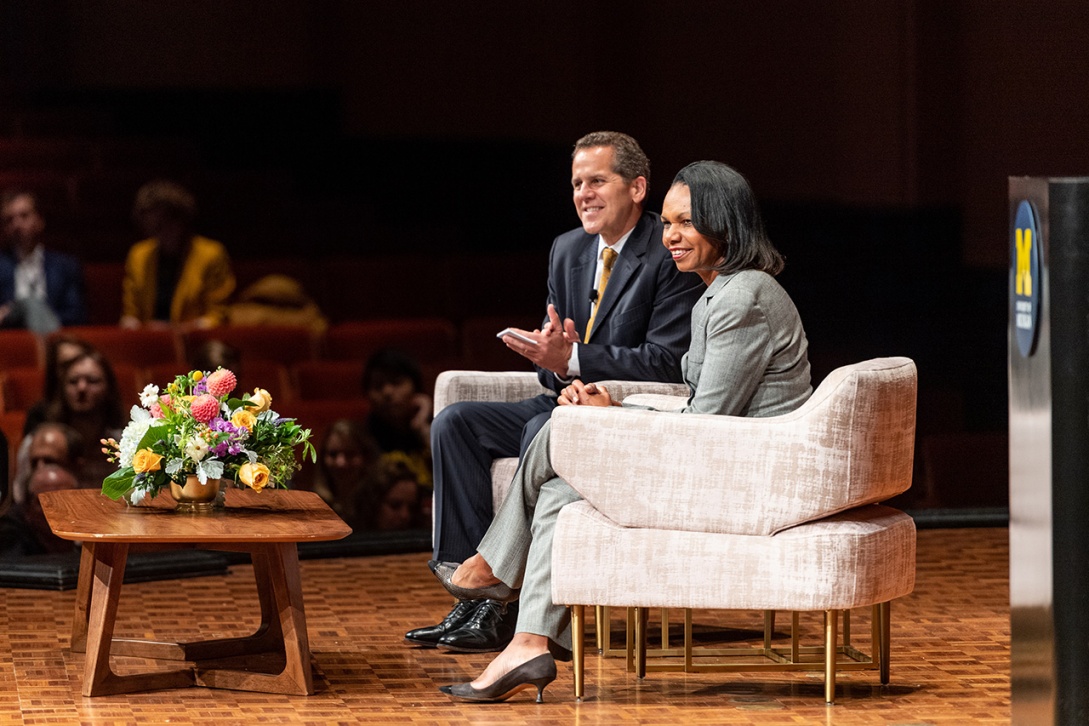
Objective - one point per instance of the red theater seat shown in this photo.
(328, 379)
(139, 348)
(428, 340)
(11, 424)
(22, 387)
(282, 344)
(19, 349)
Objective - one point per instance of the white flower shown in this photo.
(196, 449)
(149, 395)
(140, 422)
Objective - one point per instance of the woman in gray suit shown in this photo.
(747, 358)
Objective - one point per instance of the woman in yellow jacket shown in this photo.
(175, 276)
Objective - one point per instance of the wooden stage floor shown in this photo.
(950, 655)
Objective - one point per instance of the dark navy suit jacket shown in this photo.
(643, 325)
(64, 287)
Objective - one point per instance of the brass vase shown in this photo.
(194, 497)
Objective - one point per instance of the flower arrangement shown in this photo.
(195, 428)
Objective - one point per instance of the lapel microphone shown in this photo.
(593, 296)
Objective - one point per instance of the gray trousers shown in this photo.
(518, 544)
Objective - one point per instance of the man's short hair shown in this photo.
(172, 198)
(73, 439)
(630, 160)
(10, 194)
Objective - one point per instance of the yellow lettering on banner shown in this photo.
(1023, 277)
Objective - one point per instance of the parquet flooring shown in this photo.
(950, 655)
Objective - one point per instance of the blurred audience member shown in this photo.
(39, 289)
(400, 417)
(394, 501)
(347, 464)
(50, 444)
(24, 530)
(87, 399)
(60, 349)
(175, 276)
(277, 300)
(214, 354)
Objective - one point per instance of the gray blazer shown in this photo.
(748, 355)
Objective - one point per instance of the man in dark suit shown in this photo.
(627, 314)
(39, 289)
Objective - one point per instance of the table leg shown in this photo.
(283, 621)
(99, 679)
(83, 598)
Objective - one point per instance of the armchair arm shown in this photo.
(623, 390)
(454, 386)
(657, 401)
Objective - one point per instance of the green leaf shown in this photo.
(151, 436)
(117, 484)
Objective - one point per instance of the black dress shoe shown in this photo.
(538, 672)
(489, 628)
(429, 637)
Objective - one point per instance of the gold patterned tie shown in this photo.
(608, 256)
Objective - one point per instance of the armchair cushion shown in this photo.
(848, 560)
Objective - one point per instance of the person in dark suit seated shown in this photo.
(39, 289)
(617, 308)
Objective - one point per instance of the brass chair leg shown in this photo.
(886, 625)
(578, 647)
(601, 620)
(641, 642)
(688, 641)
(830, 618)
(629, 638)
(795, 649)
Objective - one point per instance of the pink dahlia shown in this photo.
(221, 382)
(157, 407)
(204, 408)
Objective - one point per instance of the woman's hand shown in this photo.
(584, 394)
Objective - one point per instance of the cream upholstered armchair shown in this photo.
(454, 386)
(724, 512)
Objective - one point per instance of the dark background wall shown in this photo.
(878, 135)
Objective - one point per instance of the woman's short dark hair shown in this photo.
(724, 210)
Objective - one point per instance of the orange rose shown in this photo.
(244, 419)
(261, 400)
(255, 476)
(146, 460)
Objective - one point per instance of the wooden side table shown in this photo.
(268, 525)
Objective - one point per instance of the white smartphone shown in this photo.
(516, 335)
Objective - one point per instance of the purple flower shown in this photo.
(200, 387)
